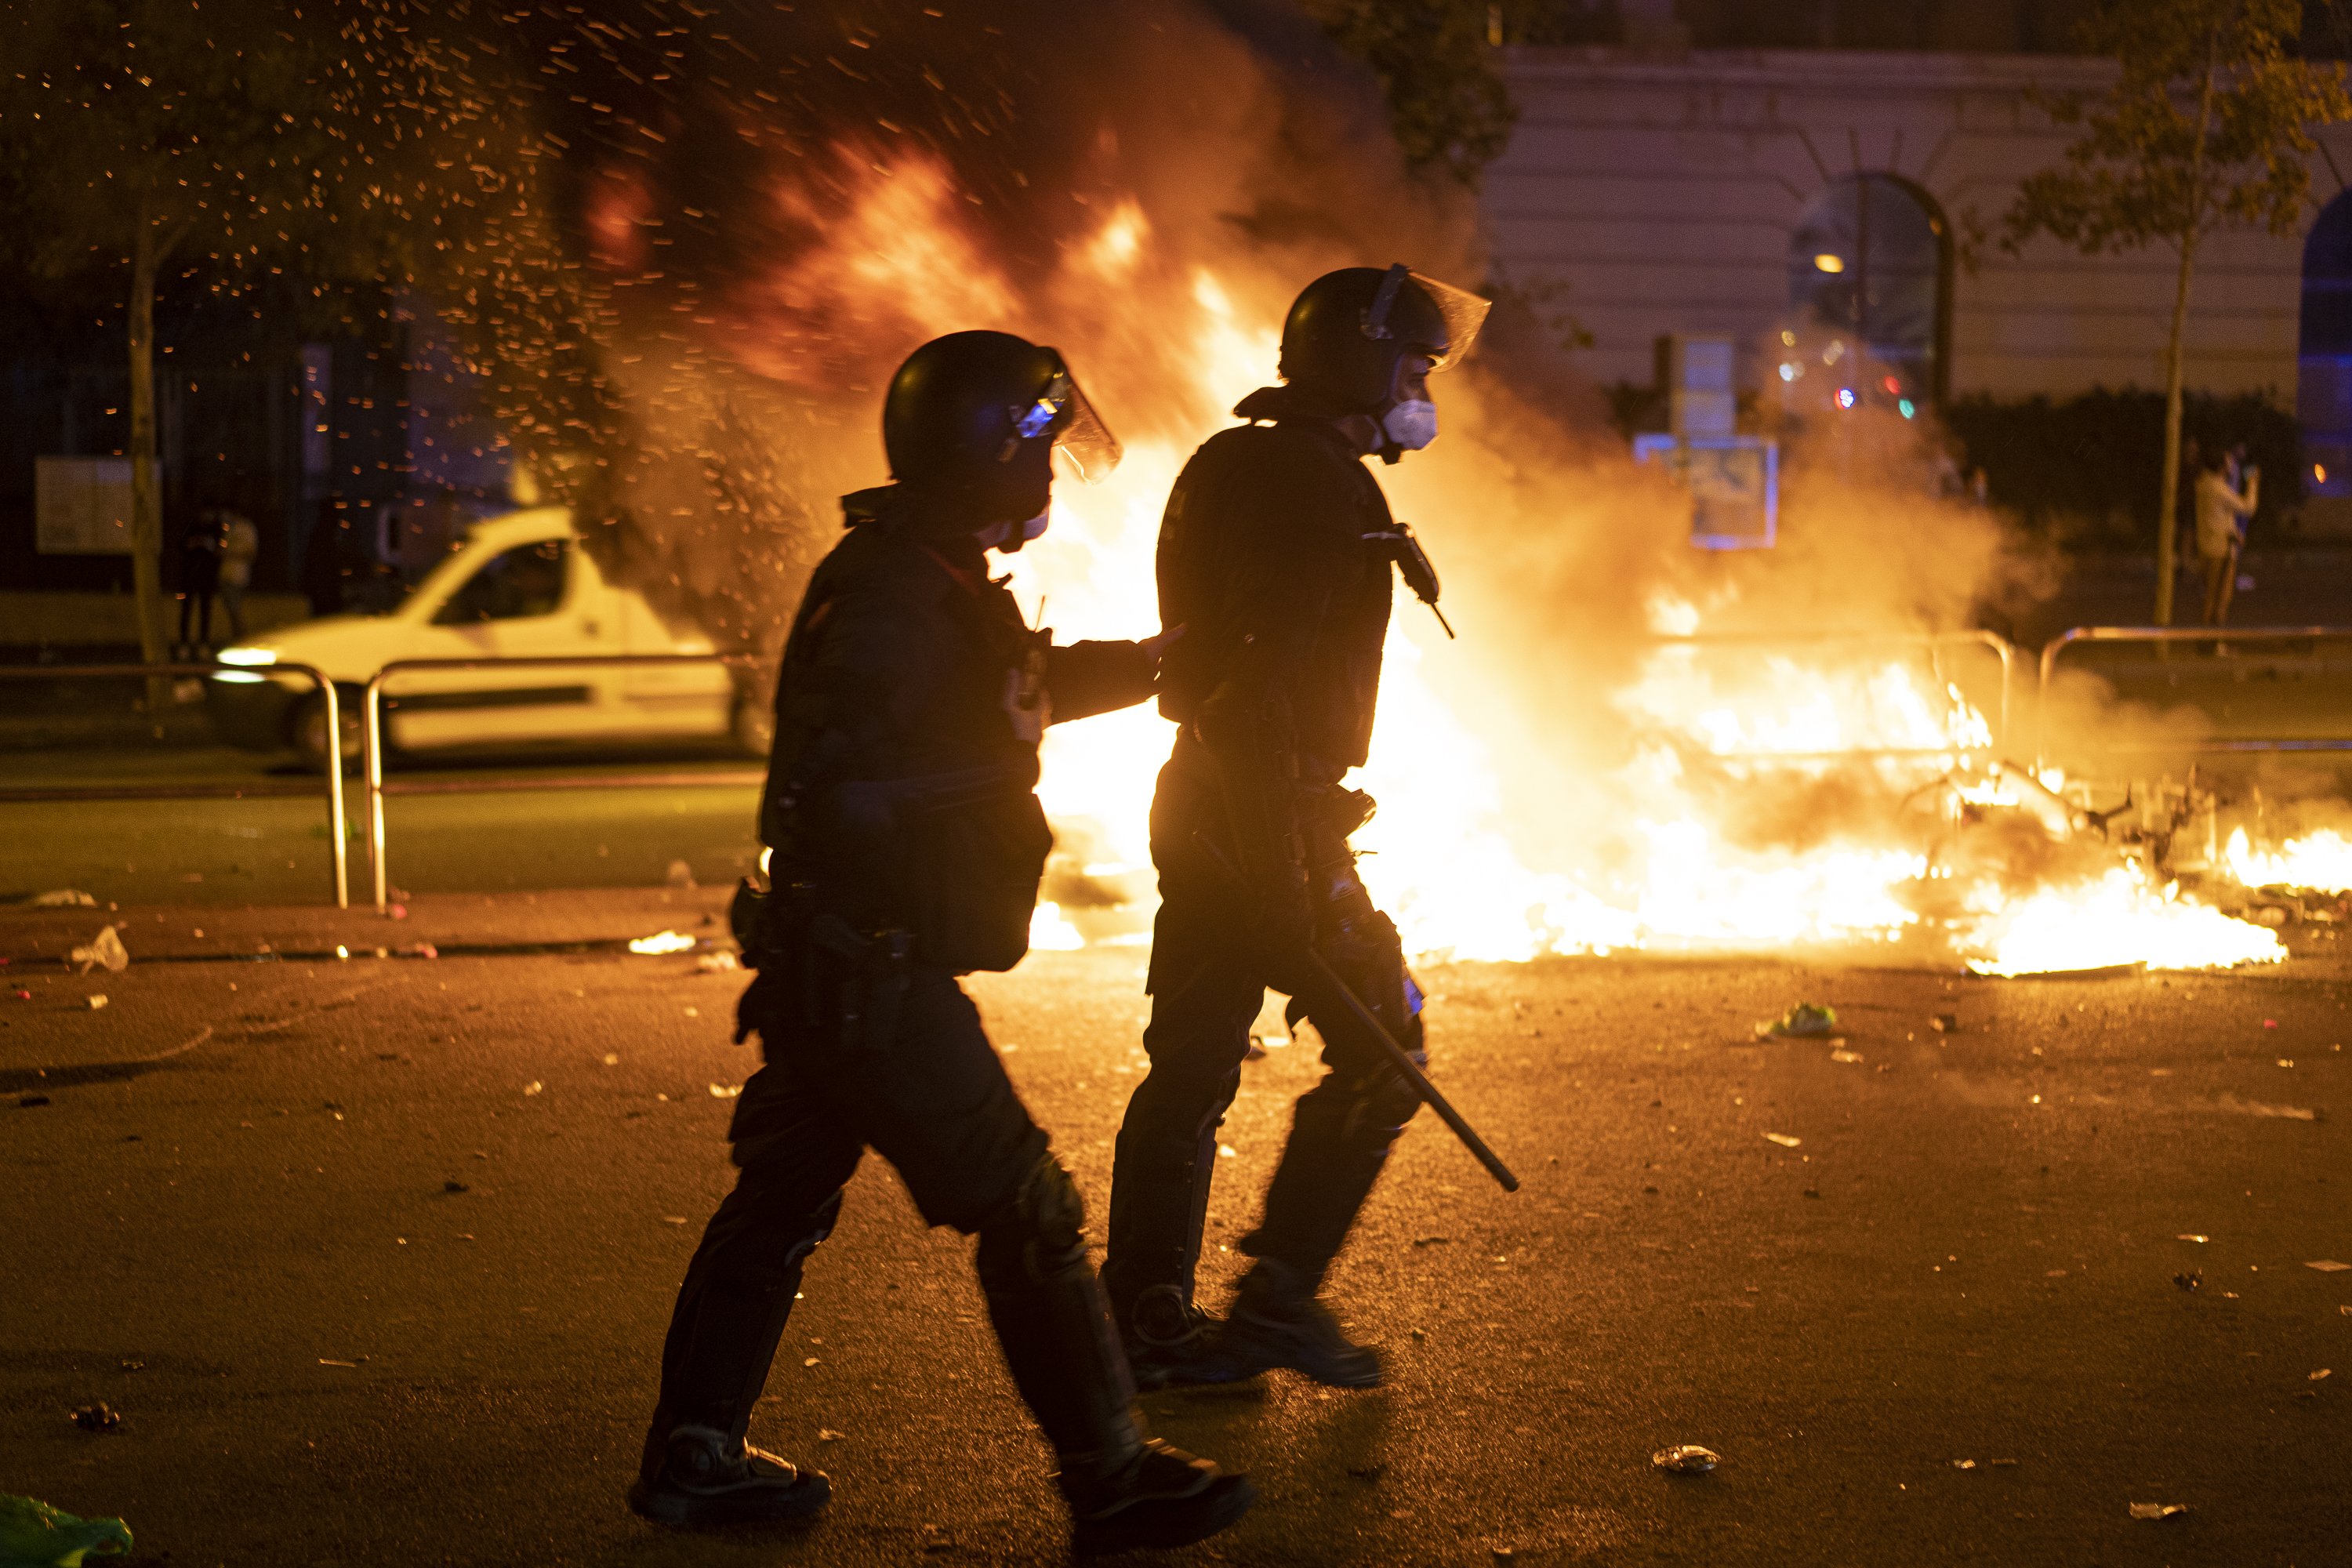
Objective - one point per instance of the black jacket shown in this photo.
(908, 709)
(1270, 558)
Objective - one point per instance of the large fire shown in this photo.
(1661, 866)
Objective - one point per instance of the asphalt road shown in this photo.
(1940, 1326)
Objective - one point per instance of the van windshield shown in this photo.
(516, 583)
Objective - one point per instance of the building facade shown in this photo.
(1753, 192)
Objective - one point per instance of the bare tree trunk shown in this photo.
(2168, 520)
(2168, 526)
(146, 496)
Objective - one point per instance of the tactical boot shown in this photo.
(710, 1478)
(1277, 1322)
(1158, 1496)
(1169, 1341)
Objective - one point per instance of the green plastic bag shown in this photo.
(1806, 1020)
(35, 1535)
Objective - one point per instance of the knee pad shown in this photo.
(760, 1239)
(1038, 1236)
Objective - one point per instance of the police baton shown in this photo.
(1326, 980)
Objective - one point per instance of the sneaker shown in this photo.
(1275, 1324)
(1163, 1497)
(1169, 1341)
(709, 1479)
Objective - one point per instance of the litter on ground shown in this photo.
(1806, 1020)
(32, 1533)
(1686, 1459)
(105, 951)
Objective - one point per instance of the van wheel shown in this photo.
(753, 727)
(309, 729)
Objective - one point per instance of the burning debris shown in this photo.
(719, 231)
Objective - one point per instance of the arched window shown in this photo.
(1873, 257)
(2323, 396)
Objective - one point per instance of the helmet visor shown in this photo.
(1079, 434)
(1464, 313)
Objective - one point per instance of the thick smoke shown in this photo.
(775, 204)
(770, 207)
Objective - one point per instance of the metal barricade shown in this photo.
(372, 746)
(1994, 642)
(2167, 635)
(317, 676)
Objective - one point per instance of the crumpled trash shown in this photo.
(1686, 1459)
(35, 1535)
(1843, 1055)
(662, 942)
(97, 1002)
(2158, 1509)
(726, 1092)
(1805, 1021)
(1786, 1140)
(64, 899)
(720, 962)
(98, 1417)
(106, 950)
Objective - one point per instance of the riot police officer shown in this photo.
(1275, 553)
(906, 845)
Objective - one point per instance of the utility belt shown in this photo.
(832, 974)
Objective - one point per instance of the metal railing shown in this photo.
(2167, 635)
(1994, 642)
(372, 746)
(332, 761)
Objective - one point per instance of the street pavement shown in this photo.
(374, 1257)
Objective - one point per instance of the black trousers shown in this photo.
(1207, 986)
(924, 1087)
(196, 607)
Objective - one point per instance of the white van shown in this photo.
(519, 586)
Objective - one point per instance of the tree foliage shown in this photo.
(2142, 172)
(2207, 122)
(231, 142)
(1447, 104)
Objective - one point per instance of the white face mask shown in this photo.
(1411, 424)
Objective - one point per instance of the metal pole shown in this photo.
(372, 746)
(372, 762)
(2162, 637)
(336, 827)
(151, 671)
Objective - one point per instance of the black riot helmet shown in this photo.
(1346, 330)
(975, 417)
